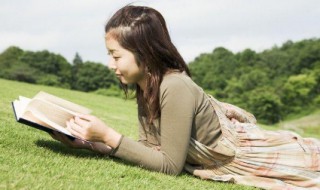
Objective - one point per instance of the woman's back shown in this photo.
(205, 124)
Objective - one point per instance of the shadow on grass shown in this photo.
(59, 148)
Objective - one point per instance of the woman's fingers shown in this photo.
(60, 137)
(85, 117)
(75, 129)
(81, 122)
(76, 143)
(56, 135)
(235, 114)
(53, 135)
(230, 113)
(90, 128)
(233, 120)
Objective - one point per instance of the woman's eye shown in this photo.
(116, 58)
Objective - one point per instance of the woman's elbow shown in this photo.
(173, 170)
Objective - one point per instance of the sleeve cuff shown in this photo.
(114, 150)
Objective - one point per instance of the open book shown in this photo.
(46, 112)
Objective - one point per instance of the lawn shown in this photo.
(30, 159)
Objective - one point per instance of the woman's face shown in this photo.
(123, 62)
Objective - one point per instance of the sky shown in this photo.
(196, 26)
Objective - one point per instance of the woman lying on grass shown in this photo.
(181, 127)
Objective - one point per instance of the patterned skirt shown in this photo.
(249, 155)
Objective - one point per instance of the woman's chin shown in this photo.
(123, 81)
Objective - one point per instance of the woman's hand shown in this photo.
(82, 144)
(75, 143)
(236, 114)
(91, 128)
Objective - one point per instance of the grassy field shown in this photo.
(30, 159)
(307, 126)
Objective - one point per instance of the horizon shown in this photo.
(84, 60)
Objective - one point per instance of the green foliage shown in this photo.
(297, 91)
(21, 72)
(76, 64)
(111, 91)
(91, 76)
(288, 75)
(265, 104)
(316, 101)
(44, 61)
(77, 59)
(49, 80)
(9, 55)
(315, 72)
(207, 69)
(43, 67)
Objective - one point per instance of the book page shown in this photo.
(50, 114)
(19, 109)
(62, 103)
(20, 105)
(30, 117)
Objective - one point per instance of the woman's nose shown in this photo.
(112, 65)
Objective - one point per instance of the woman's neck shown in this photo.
(142, 84)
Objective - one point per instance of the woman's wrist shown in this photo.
(112, 138)
(101, 148)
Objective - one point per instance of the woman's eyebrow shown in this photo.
(112, 50)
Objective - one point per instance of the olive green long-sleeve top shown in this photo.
(185, 112)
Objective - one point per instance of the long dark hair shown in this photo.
(143, 31)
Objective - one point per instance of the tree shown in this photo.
(77, 60)
(198, 68)
(45, 63)
(265, 104)
(296, 92)
(8, 59)
(289, 74)
(76, 66)
(92, 76)
(214, 69)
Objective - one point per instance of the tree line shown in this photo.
(46, 68)
(271, 84)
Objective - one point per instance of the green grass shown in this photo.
(30, 159)
(307, 126)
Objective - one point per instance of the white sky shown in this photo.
(196, 26)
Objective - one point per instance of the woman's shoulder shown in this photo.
(178, 80)
(179, 86)
(176, 77)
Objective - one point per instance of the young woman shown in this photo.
(181, 127)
